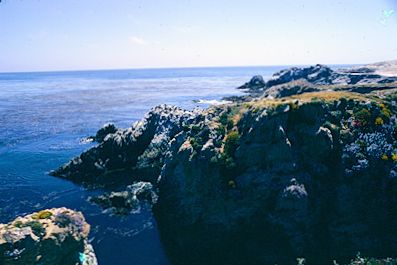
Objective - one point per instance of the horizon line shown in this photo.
(172, 67)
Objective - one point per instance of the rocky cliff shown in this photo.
(311, 174)
(49, 237)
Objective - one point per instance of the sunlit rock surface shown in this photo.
(56, 236)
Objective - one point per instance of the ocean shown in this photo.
(45, 116)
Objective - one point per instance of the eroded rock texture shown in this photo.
(56, 236)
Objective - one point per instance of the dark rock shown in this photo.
(105, 131)
(285, 200)
(318, 74)
(138, 150)
(256, 83)
(125, 202)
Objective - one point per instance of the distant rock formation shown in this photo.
(297, 80)
(56, 236)
(387, 68)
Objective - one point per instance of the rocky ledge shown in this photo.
(311, 174)
(56, 236)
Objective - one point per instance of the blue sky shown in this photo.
(38, 35)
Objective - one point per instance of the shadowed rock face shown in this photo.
(50, 237)
(260, 182)
(293, 192)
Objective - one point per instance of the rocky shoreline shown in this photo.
(304, 165)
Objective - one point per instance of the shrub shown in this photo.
(195, 144)
(231, 143)
(18, 224)
(363, 116)
(230, 124)
(37, 227)
(42, 215)
(385, 112)
(223, 119)
(195, 129)
(228, 166)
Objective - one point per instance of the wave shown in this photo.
(212, 101)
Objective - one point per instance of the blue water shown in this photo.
(44, 116)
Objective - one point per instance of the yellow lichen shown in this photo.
(42, 215)
(384, 157)
(379, 121)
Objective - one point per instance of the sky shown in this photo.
(48, 35)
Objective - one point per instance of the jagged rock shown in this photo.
(256, 83)
(56, 236)
(104, 131)
(125, 202)
(318, 74)
(134, 151)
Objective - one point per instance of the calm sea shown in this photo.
(44, 116)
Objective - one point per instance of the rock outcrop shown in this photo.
(50, 237)
(104, 131)
(128, 201)
(313, 174)
(129, 152)
(256, 83)
(291, 188)
(298, 80)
